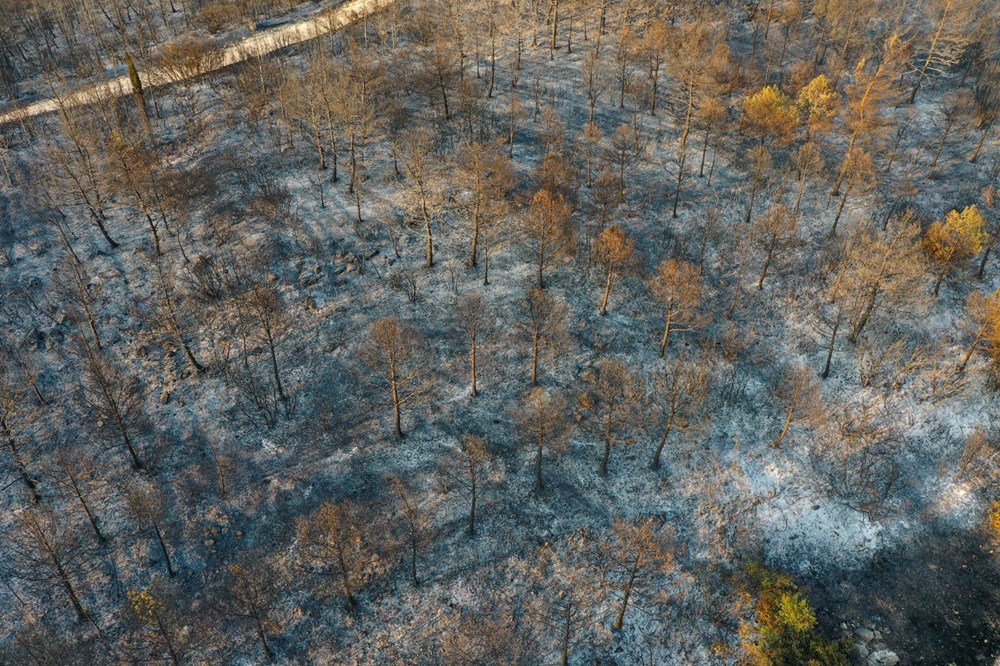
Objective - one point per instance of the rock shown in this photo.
(165, 397)
(209, 542)
(860, 651)
(864, 634)
(883, 658)
(878, 635)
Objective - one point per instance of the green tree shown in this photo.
(783, 629)
(955, 240)
(818, 101)
(770, 114)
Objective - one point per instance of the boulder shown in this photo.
(883, 658)
(864, 634)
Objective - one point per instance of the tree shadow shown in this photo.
(939, 597)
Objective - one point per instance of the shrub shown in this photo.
(993, 521)
(783, 629)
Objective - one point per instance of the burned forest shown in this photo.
(496, 332)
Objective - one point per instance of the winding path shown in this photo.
(253, 46)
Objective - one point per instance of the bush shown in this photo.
(783, 632)
(215, 17)
(993, 521)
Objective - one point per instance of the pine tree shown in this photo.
(983, 313)
(615, 250)
(952, 242)
(769, 114)
(677, 285)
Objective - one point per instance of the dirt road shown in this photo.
(252, 46)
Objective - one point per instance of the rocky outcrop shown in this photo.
(870, 649)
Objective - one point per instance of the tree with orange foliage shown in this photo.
(394, 354)
(544, 423)
(858, 171)
(692, 61)
(677, 286)
(542, 318)
(639, 553)
(871, 92)
(615, 250)
(488, 176)
(983, 314)
(334, 544)
(613, 405)
(547, 230)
